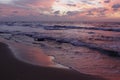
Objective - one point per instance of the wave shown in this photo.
(62, 27)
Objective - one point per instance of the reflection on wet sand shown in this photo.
(33, 55)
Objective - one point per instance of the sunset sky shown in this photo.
(60, 10)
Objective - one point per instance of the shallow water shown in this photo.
(91, 48)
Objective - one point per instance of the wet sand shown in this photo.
(13, 69)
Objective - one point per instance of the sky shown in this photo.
(60, 10)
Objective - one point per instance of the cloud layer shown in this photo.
(60, 10)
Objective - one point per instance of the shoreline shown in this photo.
(14, 69)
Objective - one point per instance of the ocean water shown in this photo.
(92, 48)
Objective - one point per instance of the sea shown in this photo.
(88, 47)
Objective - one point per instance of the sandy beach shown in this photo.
(13, 69)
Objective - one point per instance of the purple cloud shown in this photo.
(71, 4)
(56, 12)
(107, 1)
(116, 6)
